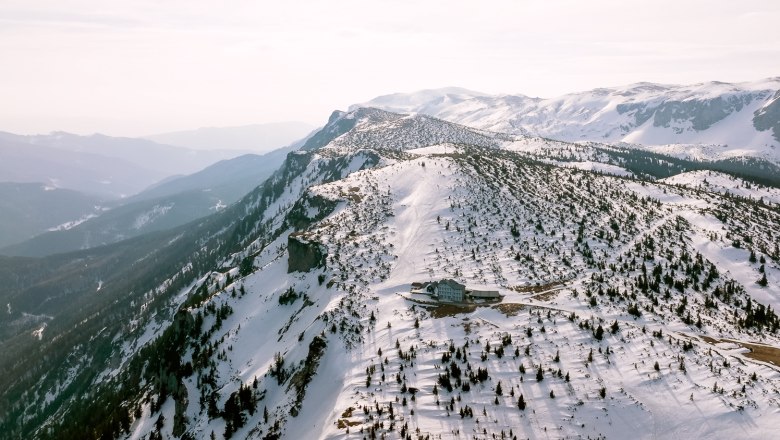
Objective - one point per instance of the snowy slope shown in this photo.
(426, 218)
(723, 183)
(629, 306)
(740, 117)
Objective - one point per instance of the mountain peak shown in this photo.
(374, 128)
(431, 99)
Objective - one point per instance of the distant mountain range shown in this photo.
(712, 120)
(164, 206)
(109, 166)
(27, 209)
(255, 138)
(62, 192)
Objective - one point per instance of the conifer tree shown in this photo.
(599, 333)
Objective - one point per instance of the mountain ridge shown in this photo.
(98, 164)
(169, 204)
(254, 138)
(741, 116)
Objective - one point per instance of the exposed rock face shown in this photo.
(303, 255)
(702, 113)
(337, 125)
(769, 117)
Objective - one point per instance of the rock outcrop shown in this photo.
(303, 255)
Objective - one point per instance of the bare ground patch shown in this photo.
(764, 353)
(759, 352)
(537, 289)
(708, 339)
(444, 310)
(343, 423)
(509, 309)
(547, 296)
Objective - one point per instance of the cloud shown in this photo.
(165, 65)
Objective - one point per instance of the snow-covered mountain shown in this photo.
(630, 307)
(380, 129)
(740, 119)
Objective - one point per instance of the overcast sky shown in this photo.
(139, 67)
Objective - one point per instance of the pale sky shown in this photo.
(138, 67)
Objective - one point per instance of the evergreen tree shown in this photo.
(599, 333)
